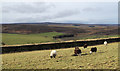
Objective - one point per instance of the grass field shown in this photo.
(82, 37)
(105, 58)
(99, 36)
(12, 39)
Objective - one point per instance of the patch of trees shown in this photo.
(63, 36)
(91, 26)
(2, 43)
(76, 25)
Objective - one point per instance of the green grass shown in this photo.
(99, 36)
(11, 39)
(83, 37)
(105, 58)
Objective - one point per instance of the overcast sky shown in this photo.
(66, 12)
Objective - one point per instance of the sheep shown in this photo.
(77, 51)
(94, 49)
(105, 42)
(85, 45)
(53, 54)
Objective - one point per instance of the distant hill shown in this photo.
(79, 29)
(38, 28)
(41, 23)
(65, 23)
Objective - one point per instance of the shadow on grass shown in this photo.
(101, 52)
(84, 54)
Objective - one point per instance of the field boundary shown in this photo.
(57, 45)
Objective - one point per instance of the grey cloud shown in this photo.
(89, 9)
(50, 16)
(27, 19)
(26, 7)
(62, 14)
(65, 12)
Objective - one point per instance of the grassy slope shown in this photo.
(11, 39)
(99, 36)
(82, 37)
(105, 58)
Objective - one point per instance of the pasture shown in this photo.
(15, 39)
(105, 58)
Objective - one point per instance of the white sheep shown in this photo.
(105, 43)
(53, 54)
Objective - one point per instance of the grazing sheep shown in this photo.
(105, 43)
(85, 45)
(77, 51)
(53, 54)
(94, 49)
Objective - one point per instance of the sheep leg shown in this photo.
(79, 54)
(54, 55)
(50, 56)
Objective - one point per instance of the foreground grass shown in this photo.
(105, 58)
(12, 39)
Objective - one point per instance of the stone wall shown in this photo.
(13, 49)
